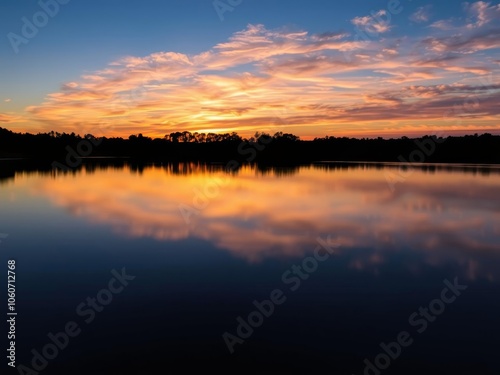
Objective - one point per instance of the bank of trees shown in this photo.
(261, 147)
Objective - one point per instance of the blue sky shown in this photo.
(85, 36)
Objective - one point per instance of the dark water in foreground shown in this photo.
(204, 245)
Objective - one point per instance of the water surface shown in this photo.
(204, 244)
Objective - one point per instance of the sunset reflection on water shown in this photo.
(448, 216)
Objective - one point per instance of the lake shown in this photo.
(329, 268)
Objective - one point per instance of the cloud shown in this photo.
(479, 40)
(330, 36)
(443, 25)
(378, 22)
(481, 13)
(478, 15)
(422, 14)
(8, 100)
(7, 118)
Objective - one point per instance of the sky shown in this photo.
(308, 67)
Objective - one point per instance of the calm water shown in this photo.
(203, 245)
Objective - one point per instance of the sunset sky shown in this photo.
(308, 67)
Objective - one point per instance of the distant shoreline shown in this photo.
(69, 150)
(314, 162)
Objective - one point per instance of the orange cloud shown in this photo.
(8, 118)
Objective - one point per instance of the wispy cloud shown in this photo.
(8, 118)
(481, 13)
(478, 40)
(377, 22)
(422, 14)
(443, 24)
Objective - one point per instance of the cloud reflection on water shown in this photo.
(443, 217)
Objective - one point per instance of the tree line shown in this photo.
(282, 148)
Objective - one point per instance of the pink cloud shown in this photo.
(482, 13)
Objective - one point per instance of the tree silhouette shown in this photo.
(262, 147)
